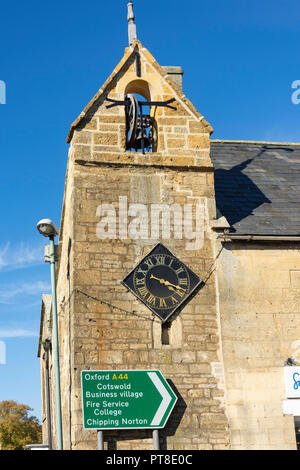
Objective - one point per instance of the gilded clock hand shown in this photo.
(166, 283)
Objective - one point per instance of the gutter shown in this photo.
(253, 142)
(228, 237)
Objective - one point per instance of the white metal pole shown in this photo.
(156, 439)
(100, 440)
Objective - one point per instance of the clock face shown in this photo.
(162, 282)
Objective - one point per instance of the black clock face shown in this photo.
(162, 282)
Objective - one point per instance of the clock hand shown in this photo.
(166, 283)
(162, 281)
(169, 284)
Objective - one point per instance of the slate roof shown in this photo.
(257, 186)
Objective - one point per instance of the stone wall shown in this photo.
(117, 332)
(259, 304)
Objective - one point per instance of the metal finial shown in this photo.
(132, 36)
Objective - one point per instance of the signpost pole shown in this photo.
(156, 439)
(100, 440)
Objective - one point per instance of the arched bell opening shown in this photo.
(139, 123)
(141, 127)
(139, 87)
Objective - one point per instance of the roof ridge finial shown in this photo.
(132, 36)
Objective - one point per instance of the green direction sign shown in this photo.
(125, 399)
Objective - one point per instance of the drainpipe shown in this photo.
(56, 345)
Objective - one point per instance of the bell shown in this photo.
(142, 141)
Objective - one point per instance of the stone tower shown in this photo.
(118, 204)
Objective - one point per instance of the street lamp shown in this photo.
(48, 229)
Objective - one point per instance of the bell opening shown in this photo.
(139, 128)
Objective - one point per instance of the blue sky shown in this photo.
(240, 59)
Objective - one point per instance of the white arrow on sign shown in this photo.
(165, 401)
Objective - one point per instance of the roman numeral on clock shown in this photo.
(143, 291)
(151, 299)
(179, 270)
(162, 303)
(140, 282)
(160, 259)
(181, 293)
(149, 262)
